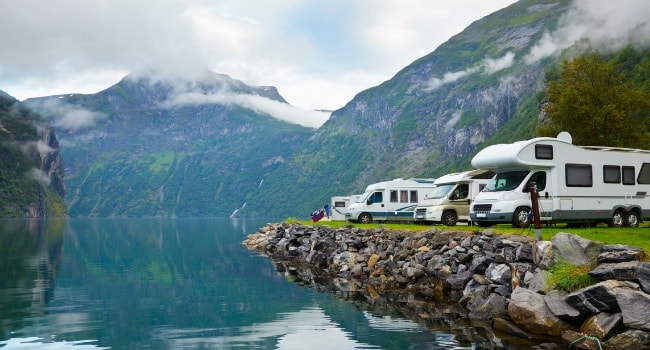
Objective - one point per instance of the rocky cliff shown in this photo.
(31, 168)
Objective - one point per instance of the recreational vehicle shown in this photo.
(339, 205)
(575, 184)
(389, 200)
(448, 202)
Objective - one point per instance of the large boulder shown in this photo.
(575, 250)
(529, 311)
(635, 307)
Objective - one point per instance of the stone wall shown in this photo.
(500, 280)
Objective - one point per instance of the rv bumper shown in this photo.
(427, 214)
(491, 217)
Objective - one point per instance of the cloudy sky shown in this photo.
(318, 53)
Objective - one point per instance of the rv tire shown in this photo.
(520, 217)
(617, 219)
(632, 219)
(365, 218)
(449, 218)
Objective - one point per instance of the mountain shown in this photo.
(31, 171)
(169, 148)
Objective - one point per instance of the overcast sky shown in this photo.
(318, 53)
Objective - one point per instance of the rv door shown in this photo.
(375, 205)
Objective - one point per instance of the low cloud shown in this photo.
(607, 25)
(40, 176)
(259, 104)
(68, 116)
(487, 66)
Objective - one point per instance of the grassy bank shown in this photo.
(634, 236)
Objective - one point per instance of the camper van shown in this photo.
(448, 202)
(575, 184)
(339, 205)
(389, 200)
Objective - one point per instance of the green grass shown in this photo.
(569, 278)
(633, 236)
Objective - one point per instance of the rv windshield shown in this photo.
(506, 181)
(439, 191)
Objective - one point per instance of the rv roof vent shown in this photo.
(565, 136)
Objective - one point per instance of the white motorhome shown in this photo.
(576, 184)
(450, 199)
(392, 200)
(340, 204)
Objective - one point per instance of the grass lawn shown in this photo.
(634, 236)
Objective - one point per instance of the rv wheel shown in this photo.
(632, 219)
(617, 219)
(449, 218)
(521, 217)
(365, 218)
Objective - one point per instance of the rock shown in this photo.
(600, 297)
(602, 325)
(538, 281)
(643, 276)
(614, 253)
(493, 306)
(625, 271)
(635, 307)
(505, 326)
(528, 310)
(498, 273)
(574, 249)
(555, 300)
(633, 339)
(542, 257)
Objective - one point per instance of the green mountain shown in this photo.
(31, 171)
(147, 147)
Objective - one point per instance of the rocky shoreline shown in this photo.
(498, 281)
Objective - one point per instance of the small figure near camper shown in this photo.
(576, 184)
(392, 200)
(448, 202)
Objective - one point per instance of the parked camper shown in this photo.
(340, 204)
(389, 200)
(576, 184)
(448, 202)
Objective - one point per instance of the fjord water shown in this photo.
(174, 284)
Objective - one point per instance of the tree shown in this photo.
(597, 104)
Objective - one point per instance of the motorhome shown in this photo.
(392, 200)
(575, 184)
(340, 204)
(448, 202)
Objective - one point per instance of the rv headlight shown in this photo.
(506, 196)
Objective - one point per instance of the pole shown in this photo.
(534, 201)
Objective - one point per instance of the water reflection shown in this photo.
(169, 284)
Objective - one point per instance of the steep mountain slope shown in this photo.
(31, 171)
(432, 116)
(145, 148)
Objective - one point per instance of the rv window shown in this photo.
(414, 196)
(403, 196)
(339, 204)
(644, 174)
(578, 175)
(377, 197)
(539, 178)
(543, 152)
(393, 196)
(612, 174)
(628, 175)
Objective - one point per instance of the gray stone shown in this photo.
(574, 249)
(635, 307)
(632, 339)
(498, 273)
(493, 306)
(555, 300)
(538, 282)
(643, 276)
(600, 297)
(625, 271)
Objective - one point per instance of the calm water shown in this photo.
(175, 284)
